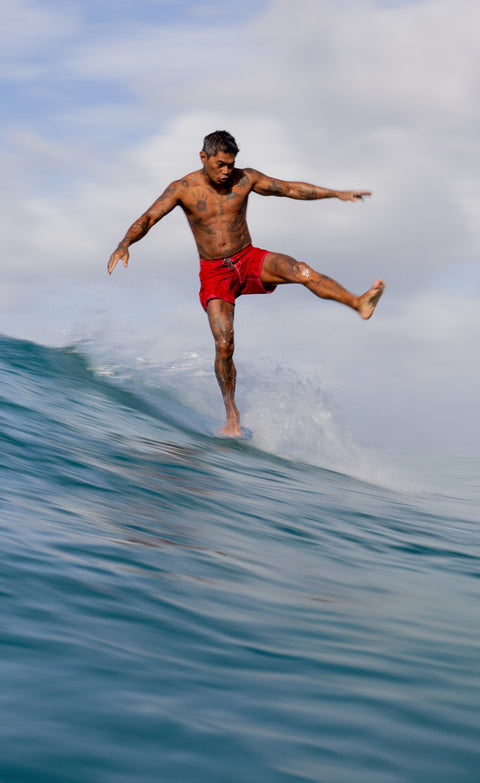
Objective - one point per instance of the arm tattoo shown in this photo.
(276, 188)
(307, 192)
(139, 228)
(135, 232)
(169, 190)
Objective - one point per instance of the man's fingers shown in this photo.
(355, 195)
(115, 258)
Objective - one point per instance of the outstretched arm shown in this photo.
(267, 186)
(161, 207)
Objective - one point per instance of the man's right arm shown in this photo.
(161, 207)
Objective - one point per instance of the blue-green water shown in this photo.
(183, 609)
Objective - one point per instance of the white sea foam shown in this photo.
(291, 415)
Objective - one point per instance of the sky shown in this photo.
(105, 102)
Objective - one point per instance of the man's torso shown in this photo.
(217, 214)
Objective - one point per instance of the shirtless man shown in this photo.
(214, 199)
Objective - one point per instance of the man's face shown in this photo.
(219, 167)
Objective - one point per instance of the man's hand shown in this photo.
(120, 254)
(353, 195)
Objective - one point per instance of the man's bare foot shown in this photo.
(232, 429)
(369, 300)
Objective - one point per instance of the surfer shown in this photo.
(214, 200)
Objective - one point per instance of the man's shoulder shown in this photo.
(245, 178)
(248, 173)
(189, 179)
(184, 186)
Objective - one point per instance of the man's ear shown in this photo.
(203, 157)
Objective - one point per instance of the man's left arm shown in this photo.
(268, 186)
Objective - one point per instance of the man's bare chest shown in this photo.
(205, 206)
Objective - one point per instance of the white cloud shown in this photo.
(30, 30)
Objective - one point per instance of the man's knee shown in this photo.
(304, 272)
(293, 271)
(297, 272)
(224, 345)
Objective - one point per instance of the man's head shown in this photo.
(219, 141)
(218, 156)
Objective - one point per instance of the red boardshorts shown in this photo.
(229, 278)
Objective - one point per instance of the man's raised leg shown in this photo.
(220, 317)
(281, 269)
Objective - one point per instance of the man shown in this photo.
(214, 199)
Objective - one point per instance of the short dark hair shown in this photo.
(219, 141)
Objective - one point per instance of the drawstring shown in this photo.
(228, 262)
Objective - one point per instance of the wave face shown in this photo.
(178, 607)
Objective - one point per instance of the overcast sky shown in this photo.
(106, 101)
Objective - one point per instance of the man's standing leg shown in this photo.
(221, 316)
